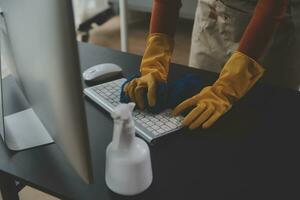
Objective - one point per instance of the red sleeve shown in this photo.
(164, 16)
(267, 16)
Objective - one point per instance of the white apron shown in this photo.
(219, 26)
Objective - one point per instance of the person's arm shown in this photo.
(240, 72)
(164, 16)
(160, 42)
(154, 67)
(266, 18)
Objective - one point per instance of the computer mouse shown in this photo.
(101, 72)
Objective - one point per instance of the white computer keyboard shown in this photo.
(149, 126)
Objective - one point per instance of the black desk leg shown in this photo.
(8, 187)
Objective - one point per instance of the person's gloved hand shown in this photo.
(154, 69)
(169, 95)
(239, 74)
(136, 89)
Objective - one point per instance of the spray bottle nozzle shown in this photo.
(123, 125)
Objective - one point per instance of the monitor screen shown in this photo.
(47, 87)
(12, 98)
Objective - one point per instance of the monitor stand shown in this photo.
(24, 130)
(22, 127)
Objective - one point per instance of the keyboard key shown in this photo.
(145, 125)
(155, 133)
(160, 131)
(159, 123)
(164, 120)
(150, 129)
(150, 123)
(179, 118)
(154, 120)
(150, 118)
(140, 116)
(158, 117)
(174, 120)
(145, 120)
(171, 125)
(166, 128)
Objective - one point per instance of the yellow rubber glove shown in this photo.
(239, 74)
(154, 68)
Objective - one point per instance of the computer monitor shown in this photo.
(42, 39)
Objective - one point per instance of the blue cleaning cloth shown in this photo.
(169, 95)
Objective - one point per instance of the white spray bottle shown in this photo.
(128, 163)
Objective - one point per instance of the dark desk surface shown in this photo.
(251, 153)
